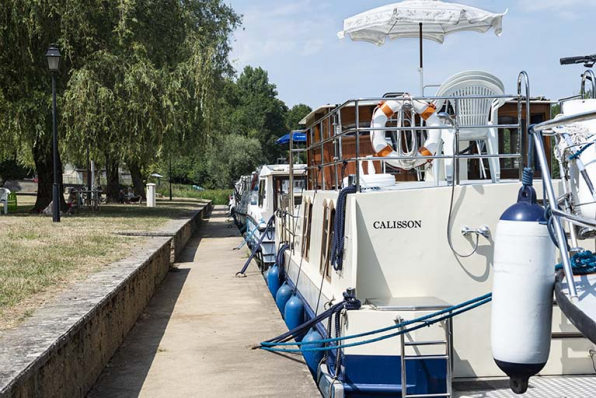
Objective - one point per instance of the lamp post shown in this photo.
(53, 57)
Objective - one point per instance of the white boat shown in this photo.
(270, 190)
(242, 196)
(408, 249)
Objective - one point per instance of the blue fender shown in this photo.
(273, 280)
(282, 296)
(312, 358)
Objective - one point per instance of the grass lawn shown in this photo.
(38, 258)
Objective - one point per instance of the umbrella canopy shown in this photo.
(297, 136)
(423, 19)
(402, 20)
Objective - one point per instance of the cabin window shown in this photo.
(281, 191)
(327, 241)
(324, 237)
(262, 193)
(306, 231)
(330, 243)
(304, 227)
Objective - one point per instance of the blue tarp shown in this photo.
(297, 136)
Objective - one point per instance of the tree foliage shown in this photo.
(141, 82)
(139, 77)
(256, 112)
(295, 115)
(253, 119)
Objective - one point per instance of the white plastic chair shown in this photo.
(473, 112)
(4, 192)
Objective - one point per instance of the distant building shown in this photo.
(78, 176)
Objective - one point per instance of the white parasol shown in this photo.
(423, 19)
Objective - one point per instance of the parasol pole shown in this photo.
(421, 69)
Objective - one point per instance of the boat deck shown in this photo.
(540, 387)
(194, 338)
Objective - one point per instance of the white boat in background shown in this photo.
(270, 190)
(241, 200)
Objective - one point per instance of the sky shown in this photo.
(296, 42)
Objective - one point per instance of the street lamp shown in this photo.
(53, 57)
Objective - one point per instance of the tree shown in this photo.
(256, 112)
(235, 156)
(28, 27)
(295, 115)
(153, 91)
(137, 76)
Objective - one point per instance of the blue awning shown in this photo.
(297, 136)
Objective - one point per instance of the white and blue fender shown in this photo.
(524, 276)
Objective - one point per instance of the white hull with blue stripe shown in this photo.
(269, 188)
(409, 250)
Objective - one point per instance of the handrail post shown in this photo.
(357, 121)
(523, 77)
(310, 156)
(589, 74)
(340, 144)
(552, 201)
(291, 186)
(322, 168)
(332, 132)
(455, 177)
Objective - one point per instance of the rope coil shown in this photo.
(582, 263)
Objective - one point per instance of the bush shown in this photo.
(218, 196)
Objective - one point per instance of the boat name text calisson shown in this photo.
(407, 224)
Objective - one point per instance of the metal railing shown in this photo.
(588, 75)
(537, 133)
(337, 132)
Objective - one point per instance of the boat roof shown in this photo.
(281, 169)
(309, 118)
(324, 109)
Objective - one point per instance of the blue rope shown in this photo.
(381, 338)
(339, 227)
(582, 263)
(349, 302)
(386, 329)
(528, 177)
(270, 224)
(578, 153)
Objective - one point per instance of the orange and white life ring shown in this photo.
(386, 110)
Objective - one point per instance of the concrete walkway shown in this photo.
(194, 338)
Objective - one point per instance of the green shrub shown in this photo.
(218, 196)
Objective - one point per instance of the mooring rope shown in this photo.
(337, 248)
(277, 344)
(270, 224)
